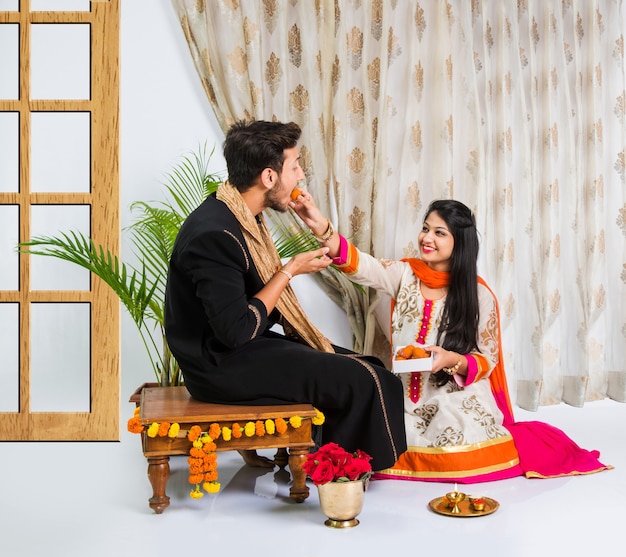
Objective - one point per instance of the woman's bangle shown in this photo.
(326, 236)
(455, 368)
(286, 273)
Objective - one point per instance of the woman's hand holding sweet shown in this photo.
(305, 207)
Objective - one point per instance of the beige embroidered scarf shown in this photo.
(267, 261)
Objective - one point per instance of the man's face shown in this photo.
(279, 196)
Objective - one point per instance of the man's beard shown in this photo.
(272, 198)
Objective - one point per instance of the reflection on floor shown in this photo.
(91, 499)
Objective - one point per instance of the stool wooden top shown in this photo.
(175, 404)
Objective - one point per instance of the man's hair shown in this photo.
(251, 147)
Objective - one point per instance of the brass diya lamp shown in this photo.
(455, 497)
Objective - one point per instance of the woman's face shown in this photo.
(436, 243)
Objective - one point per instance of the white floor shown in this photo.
(91, 500)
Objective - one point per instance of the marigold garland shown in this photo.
(202, 458)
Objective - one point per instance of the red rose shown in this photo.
(353, 470)
(357, 468)
(323, 473)
(331, 462)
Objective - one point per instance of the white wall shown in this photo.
(165, 115)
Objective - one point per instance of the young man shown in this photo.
(226, 289)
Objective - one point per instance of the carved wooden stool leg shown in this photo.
(299, 491)
(281, 457)
(158, 474)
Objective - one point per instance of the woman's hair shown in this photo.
(251, 147)
(459, 323)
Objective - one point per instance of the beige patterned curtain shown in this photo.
(515, 107)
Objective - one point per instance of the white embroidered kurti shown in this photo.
(455, 433)
(454, 414)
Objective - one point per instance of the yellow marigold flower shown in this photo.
(226, 433)
(214, 431)
(211, 487)
(174, 429)
(137, 409)
(197, 444)
(153, 430)
(194, 433)
(281, 425)
(270, 427)
(134, 425)
(259, 428)
(249, 429)
(237, 431)
(319, 418)
(196, 493)
(295, 421)
(164, 427)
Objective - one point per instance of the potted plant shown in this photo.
(341, 478)
(141, 287)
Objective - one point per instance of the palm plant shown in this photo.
(141, 288)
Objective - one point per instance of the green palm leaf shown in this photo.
(141, 289)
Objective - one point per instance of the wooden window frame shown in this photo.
(101, 422)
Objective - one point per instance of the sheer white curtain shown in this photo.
(514, 107)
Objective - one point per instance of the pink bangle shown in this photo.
(342, 258)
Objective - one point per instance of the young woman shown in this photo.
(458, 417)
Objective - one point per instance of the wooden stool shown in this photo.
(174, 404)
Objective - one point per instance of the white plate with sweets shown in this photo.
(410, 358)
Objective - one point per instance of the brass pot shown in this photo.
(341, 502)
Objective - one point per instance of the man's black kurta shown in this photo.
(220, 335)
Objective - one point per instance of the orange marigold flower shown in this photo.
(174, 429)
(210, 476)
(227, 433)
(210, 459)
(195, 451)
(249, 429)
(259, 428)
(295, 421)
(237, 431)
(196, 478)
(196, 469)
(214, 431)
(209, 447)
(194, 433)
(164, 427)
(153, 430)
(135, 425)
(281, 425)
(270, 427)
